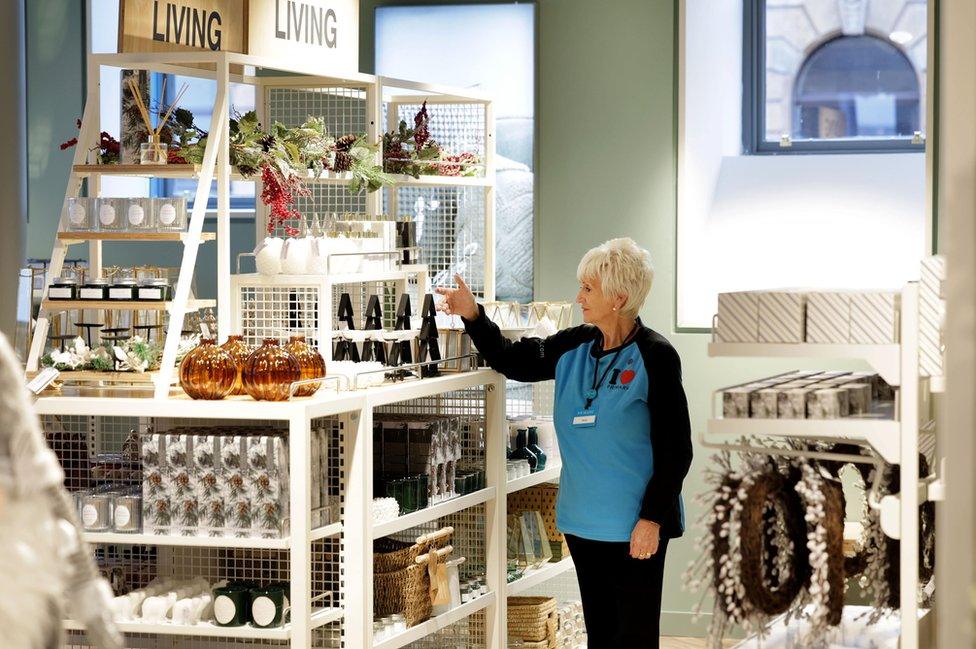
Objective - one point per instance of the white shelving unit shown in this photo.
(352, 620)
(895, 440)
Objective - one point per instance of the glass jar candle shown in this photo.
(127, 512)
(123, 289)
(94, 289)
(139, 214)
(78, 214)
(63, 288)
(154, 289)
(110, 213)
(170, 214)
(96, 512)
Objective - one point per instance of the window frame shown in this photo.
(754, 140)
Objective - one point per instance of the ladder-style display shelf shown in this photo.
(896, 441)
(368, 99)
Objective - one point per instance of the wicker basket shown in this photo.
(400, 585)
(533, 619)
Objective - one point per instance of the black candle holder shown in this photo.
(88, 326)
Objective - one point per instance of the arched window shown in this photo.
(855, 86)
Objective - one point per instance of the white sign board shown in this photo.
(323, 31)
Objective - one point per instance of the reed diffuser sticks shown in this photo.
(144, 112)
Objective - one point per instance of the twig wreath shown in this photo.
(775, 561)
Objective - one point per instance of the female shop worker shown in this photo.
(621, 419)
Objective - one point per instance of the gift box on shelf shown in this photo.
(738, 318)
(875, 317)
(829, 317)
(931, 315)
(782, 316)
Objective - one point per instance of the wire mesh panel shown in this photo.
(529, 399)
(468, 633)
(450, 230)
(325, 637)
(456, 127)
(268, 311)
(99, 452)
(344, 112)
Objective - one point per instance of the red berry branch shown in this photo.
(279, 194)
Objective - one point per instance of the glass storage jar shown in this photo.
(123, 289)
(63, 288)
(139, 214)
(110, 213)
(153, 152)
(78, 212)
(170, 214)
(154, 289)
(94, 289)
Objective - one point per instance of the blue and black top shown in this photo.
(626, 454)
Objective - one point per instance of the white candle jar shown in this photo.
(170, 214)
(139, 214)
(78, 214)
(110, 214)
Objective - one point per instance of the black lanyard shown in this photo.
(592, 393)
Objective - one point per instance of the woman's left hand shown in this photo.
(644, 539)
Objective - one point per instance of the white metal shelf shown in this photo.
(320, 617)
(437, 623)
(549, 474)
(73, 237)
(885, 359)
(536, 576)
(433, 512)
(192, 172)
(122, 305)
(284, 543)
(323, 403)
(883, 435)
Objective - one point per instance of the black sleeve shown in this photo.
(527, 359)
(670, 438)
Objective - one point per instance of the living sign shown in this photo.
(184, 25)
(179, 25)
(314, 31)
(317, 32)
(305, 23)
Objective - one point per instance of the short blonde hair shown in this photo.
(623, 268)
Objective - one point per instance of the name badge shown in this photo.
(585, 418)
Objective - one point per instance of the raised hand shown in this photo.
(458, 301)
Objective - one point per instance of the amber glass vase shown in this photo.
(269, 372)
(239, 351)
(207, 372)
(311, 362)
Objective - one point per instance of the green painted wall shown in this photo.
(55, 98)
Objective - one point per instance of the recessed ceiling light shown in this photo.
(900, 37)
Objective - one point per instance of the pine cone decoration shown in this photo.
(345, 142)
(343, 161)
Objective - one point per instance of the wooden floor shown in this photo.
(688, 643)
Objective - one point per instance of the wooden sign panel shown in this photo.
(174, 25)
(324, 31)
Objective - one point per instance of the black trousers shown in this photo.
(621, 596)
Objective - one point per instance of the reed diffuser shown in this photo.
(153, 150)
